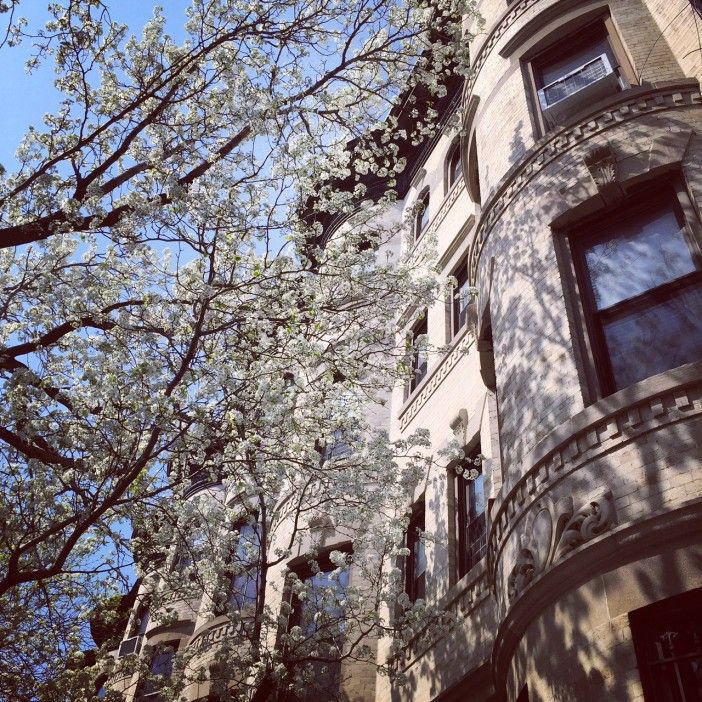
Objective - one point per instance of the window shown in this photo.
(460, 299)
(640, 278)
(577, 71)
(453, 165)
(421, 217)
(339, 447)
(418, 341)
(245, 568)
(668, 642)
(162, 660)
(321, 618)
(470, 525)
(473, 172)
(416, 563)
(140, 622)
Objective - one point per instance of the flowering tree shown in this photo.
(167, 307)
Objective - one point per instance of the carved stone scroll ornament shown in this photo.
(522, 574)
(591, 520)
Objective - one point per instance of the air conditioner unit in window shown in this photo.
(130, 646)
(588, 83)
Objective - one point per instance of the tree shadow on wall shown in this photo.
(574, 643)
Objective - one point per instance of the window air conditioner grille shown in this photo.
(576, 80)
(129, 646)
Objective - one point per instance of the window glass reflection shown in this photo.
(649, 341)
(244, 589)
(646, 251)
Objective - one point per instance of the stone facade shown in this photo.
(593, 496)
(594, 506)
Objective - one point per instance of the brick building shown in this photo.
(570, 197)
(573, 560)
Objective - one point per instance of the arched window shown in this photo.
(453, 164)
(421, 217)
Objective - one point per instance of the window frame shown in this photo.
(460, 519)
(556, 41)
(421, 216)
(461, 274)
(148, 687)
(643, 623)
(451, 176)
(304, 570)
(414, 536)
(252, 573)
(419, 328)
(589, 344)
(473, 184)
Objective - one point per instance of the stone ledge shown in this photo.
(434, 379)
(461, 600)
(513, 13)
(644, 407)
(215, 630)
(660, 532)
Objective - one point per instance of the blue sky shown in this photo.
(25, 99)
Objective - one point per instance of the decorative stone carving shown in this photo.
(459, 424)
(591, 520)
(593, 438)
(223, 631)
(601, 162)
(552, 530)
(521, 575)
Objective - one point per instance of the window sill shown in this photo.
(610, 101)
(435, 222)
(478, 571)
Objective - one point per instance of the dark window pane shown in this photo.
(477, 496)
(162, 663)
(420, 557)
(244, 585)
(143, 621)
(422, 217)
(470, 516)
(461, 298)
(454, 168)
(668, 642)
(553, 70)
(324, 598)
(644, 342)
(420, 355)
(416, 564)
(477, 540)
(643, 252)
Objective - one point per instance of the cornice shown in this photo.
(216, 631)
(624, 107)
(499, 29)
(607, 425)
(461, 600)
